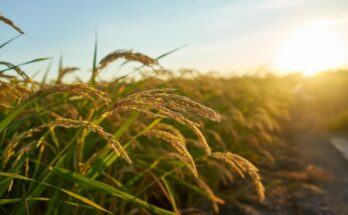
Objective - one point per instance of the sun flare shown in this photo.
(311, 50)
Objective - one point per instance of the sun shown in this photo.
(311, 49)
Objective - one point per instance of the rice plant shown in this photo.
(133, 146)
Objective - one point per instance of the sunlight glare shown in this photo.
(310, 50)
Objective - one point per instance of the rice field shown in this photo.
(161, 143)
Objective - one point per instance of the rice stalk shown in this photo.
(11, 23)
(214, 199)
(17, 70)
(159, 103)
(69, 123)
(179, 146)
(127, 55)
(242, 167)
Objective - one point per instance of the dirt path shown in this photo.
(310, 146)
(307, 158)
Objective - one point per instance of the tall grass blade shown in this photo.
(70, 193)
(9, 41)
(26, 63)
(107, 189)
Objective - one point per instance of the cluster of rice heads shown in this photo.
(252, 109)
(61, 148)
(117, 147)
(251, 106)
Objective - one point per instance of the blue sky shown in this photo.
(222, 35)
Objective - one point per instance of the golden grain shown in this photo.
(162, 103)
(128, 55)
(243, 166)
(69, 123)
(177, 144)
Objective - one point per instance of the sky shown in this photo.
(222, 35)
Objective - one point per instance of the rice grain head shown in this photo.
(11, 23)
(242, 166)
(177, 144)
(162, 103)
(128, 55)
(69, 123)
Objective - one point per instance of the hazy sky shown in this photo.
(222, 35)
